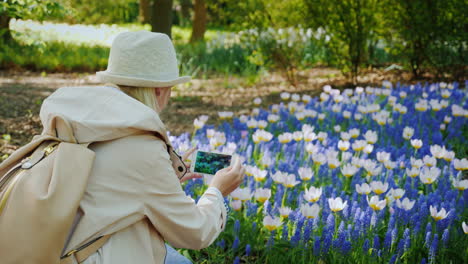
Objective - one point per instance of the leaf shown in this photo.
(7, 137)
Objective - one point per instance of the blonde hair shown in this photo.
(145, 95)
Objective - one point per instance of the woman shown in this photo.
(134, 192)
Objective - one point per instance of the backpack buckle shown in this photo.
(69, 253)
(49, 149)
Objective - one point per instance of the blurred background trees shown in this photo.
(235, 37)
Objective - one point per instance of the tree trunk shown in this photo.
(161, 18)
(5, 33)
(145, 12)
(199, 21)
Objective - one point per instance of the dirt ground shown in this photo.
(22, 93)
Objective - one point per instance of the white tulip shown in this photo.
(271, 223)
(378, 187)
(336, 204)
(242, 194)
(428, 176)
(236, 205)
(383, 156)
(305, 173)
(262, 194)
(290, 181)
(312, 194)
(354, 133)
(397, 193)
(460, 185)
(310, 211)
(429, 161)
(408, 132)
(460, 165)
(413, 172)
(285, 211)
(343, 145)
(437, 151)
(375, 203)
(285, 138)
(406, 204)
(416, 143)
(349, 170)
(297, 135)
(438, 215)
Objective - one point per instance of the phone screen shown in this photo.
(210, 163)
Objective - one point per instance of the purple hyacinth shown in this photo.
(445, 237)
(394, 235)
(248, 249)
(267, 207)
(327, 242)
(297, 234)
(237, 260)
(428, 227)
(235, 244)
(388, 239)
(316, 248)
(271, 240)
(391, 222)
(251, 208)
(285, 233)
(236, 226)
(221, 244)
(365, 246)
(346, 247)
(401, 246)
(376, 244)
(308, 230)
(433, 248)
(330, 224)
(407, 238)
(427, 241)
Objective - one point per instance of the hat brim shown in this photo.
(105, 76)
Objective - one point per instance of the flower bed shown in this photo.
(365, 175)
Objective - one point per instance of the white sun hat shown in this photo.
(142, 59)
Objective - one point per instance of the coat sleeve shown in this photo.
(177, 218)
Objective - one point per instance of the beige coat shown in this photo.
(133, 191)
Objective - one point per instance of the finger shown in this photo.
(237, 162)
(188, 164)
(190, 176)
(188, 153)
(227, 169)
(194, 176)
(238, 165)
(242, 172)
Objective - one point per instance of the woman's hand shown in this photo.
(228, 179)
(189, 175)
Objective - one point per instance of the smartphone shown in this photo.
(208, 163)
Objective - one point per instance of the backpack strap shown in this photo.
(83, 252)
(176, 160)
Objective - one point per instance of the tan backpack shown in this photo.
(41, 187)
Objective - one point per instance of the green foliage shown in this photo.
(423, 36)
(55, 56)
(102, 11)
(199, 59)
(350, 28)
(428, 34)
(27, 9)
